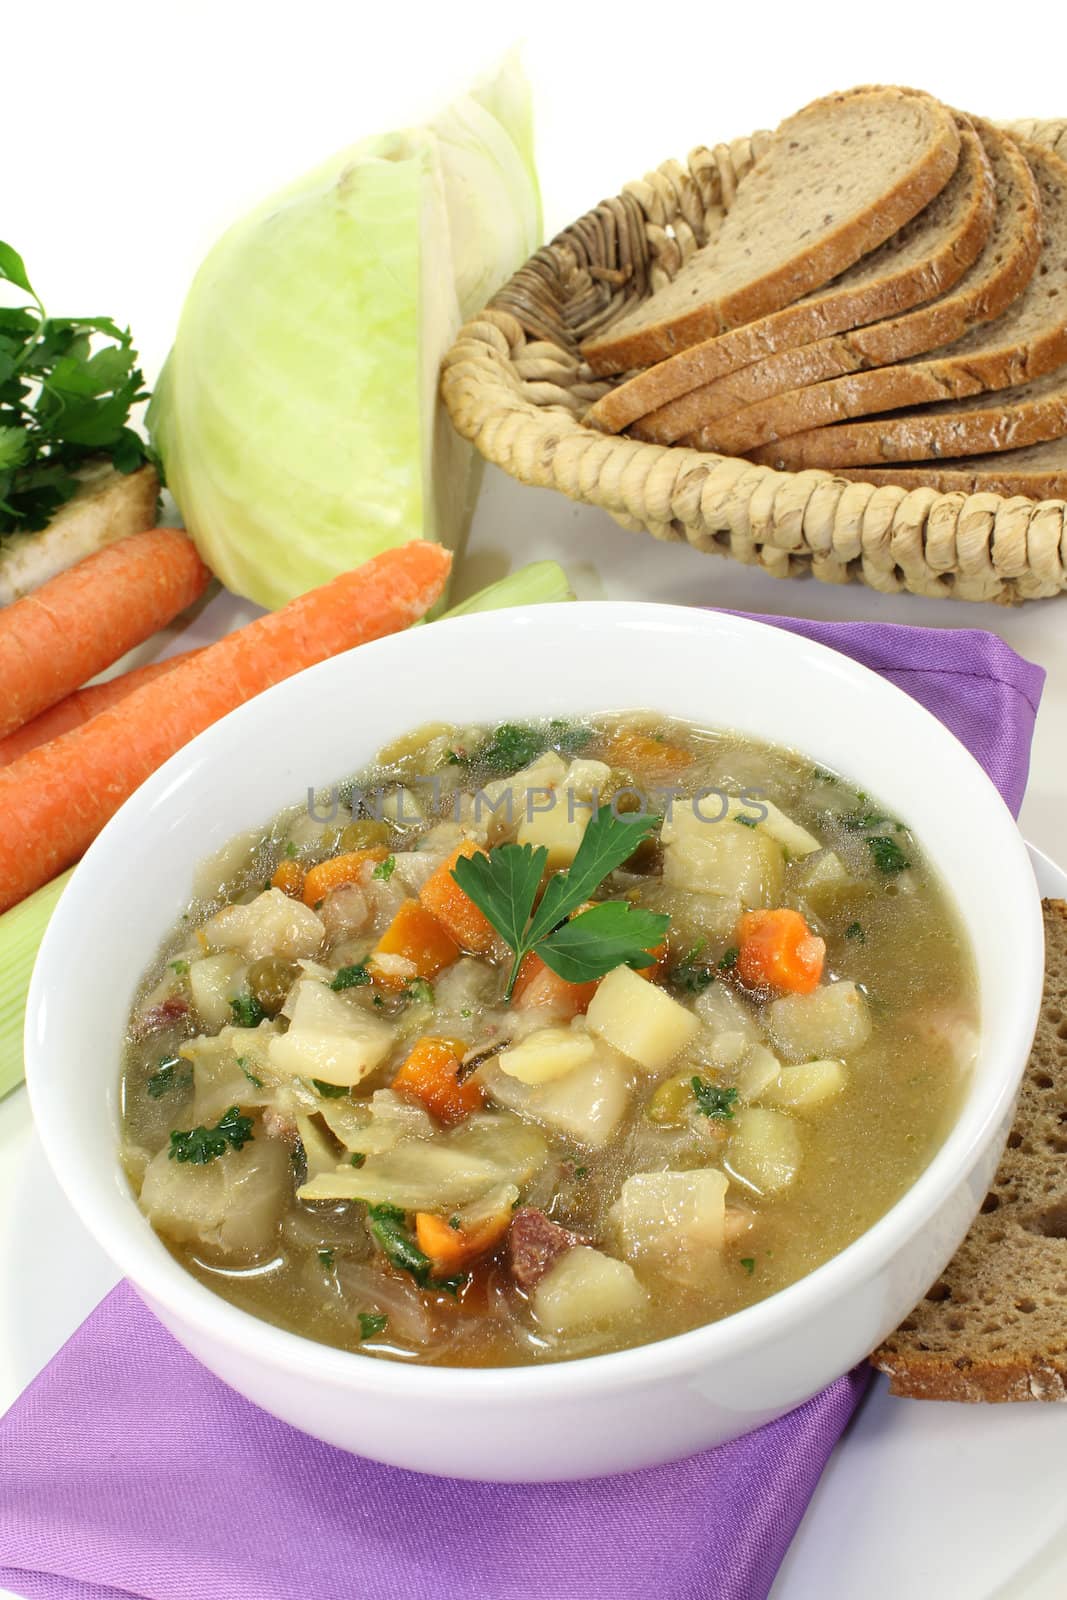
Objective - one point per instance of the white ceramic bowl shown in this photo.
(604, 1413)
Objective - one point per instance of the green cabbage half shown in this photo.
(297, 415)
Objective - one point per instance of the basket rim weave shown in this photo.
(515, 386)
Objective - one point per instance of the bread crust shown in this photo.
(992, 1327)
(1028, 341)
(987, 291)
(1005, 420)
(622, 346)
(1015, 472)
(849, 303)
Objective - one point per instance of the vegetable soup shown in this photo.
(540, 1041)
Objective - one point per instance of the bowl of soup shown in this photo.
(546, 1043)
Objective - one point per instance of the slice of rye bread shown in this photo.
(1027, 341)
(1039, 472)
(999, 276)
(1008, 419)
(839, 178)
(923, 259)
(993, 1326)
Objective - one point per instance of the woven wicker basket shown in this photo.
(515, 385)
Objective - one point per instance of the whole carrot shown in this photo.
(80, 706)
(55, 800)
(53, 641)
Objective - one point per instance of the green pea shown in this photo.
(364, 833)
(270, 980)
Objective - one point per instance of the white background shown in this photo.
(134, 133)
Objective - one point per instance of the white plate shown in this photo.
(919, 1498)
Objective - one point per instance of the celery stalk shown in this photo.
(21, 931)
(541, 583)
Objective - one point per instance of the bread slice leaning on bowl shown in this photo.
(993, 1327)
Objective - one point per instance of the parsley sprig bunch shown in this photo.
(65, 398)
(504, 885)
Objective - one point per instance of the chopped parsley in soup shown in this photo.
(542, 1041)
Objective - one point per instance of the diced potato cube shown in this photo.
(640, 1020)
(723, 858)
(794, 839)
(802, 1087)
(585, 1289)
(587, 1104)
(758, 1074)
(546, 772)
(711, 917)
(560, 827)
(273, 924)
(547, 1054)
(214, 984)
(721, 1010)
(665, 1211)
(328, 1038)
(831, 1021)
(722, 1049)
(764, 1150)
(824, 880)
(503, 803)
(589, 780)
(402, 807)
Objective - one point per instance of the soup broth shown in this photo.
(338, 1117)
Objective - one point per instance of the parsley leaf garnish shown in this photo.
(389, 1230)
(855, 931)
(167, 1077)
(385, 869)
(351, 978)
(863, 821)
(329, 1091)
(568, 739)
(62, 403)
(887, 855)
(419, 989)
(247, 1011)
(749, 1264)
(326, 1257)
(242, 1062)
(713, 1101)
(728, 959)
(690, 975)
(201, 1145)
(370, 1325)
(509, 747)
(504, 883)
(606, 936)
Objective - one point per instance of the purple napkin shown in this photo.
(127, 1470)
